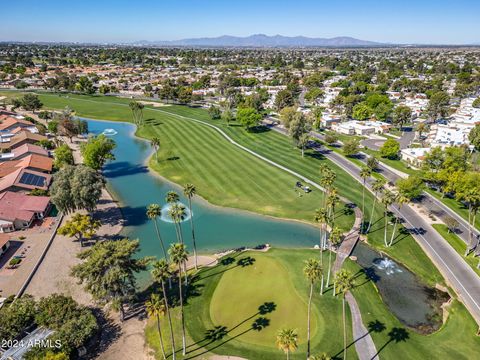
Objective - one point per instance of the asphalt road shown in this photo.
(405, 140)
(454, 269)
(431, 203)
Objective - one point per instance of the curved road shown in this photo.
(458, 274)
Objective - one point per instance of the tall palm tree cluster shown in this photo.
(387, 198)
(325, 216)
(287, 339)
(173, 264)
(137, 112)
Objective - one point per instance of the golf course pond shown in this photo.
(218, 229)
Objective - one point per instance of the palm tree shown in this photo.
(161, 273)
(287, 340)
(327, 180)
(154, 211)
(189, 191)
(155, 142)
(321, 216)
(156, 308)
(172, 197)
(334, 240)
(179, 256)
(137, 110)
(400, 200)
(177, 212)
(345, 282)
(387, 200)
(364, 174)
(332, 201)
(377, 188)
(421, 128)
(312, 271)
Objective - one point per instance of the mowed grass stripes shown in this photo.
(223, 173)
(190, 152)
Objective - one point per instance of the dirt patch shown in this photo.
(153, 103)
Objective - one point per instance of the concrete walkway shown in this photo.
(349, 241)
(364, 340)
(364, 344)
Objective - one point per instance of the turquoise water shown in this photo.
(220, 229)
(216, 228)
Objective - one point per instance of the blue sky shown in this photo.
(400, 21)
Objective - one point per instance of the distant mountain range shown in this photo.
(262, 40)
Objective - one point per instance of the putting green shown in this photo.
(265, 281)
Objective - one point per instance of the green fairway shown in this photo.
(237, 309)
(224, 305)
(223, 174)
(255, 185)
(260, 283)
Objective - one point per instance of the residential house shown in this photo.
(414, 156)
(21, 138)
(28, 149)
(23, 179)
(18, 210)
(10, 124)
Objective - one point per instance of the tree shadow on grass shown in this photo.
(366, 224)
(403, 233)
(315, 154)
(258, 325)
(153, 122)
(395, 335)
(259, 129)
(243, 262)
(375, 326)
(219, 332)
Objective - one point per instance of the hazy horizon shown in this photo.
(410, 22)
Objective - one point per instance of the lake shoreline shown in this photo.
(225, 209)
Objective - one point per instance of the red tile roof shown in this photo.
(21, 136)
(25, 202)
(35, 161)
(18, 206)
(8, 121)
(29, 148)
(14, 179)
(38, 162)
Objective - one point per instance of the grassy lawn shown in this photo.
(279, 148)
(456, 339)
(455, 205)
(204, 158)
(270, 279)
(458, 244)
(396, 164)
(223, 174)
(226, 300)
(224, 304)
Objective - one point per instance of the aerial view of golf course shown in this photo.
(264, 250)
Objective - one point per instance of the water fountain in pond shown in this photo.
(109, 132)
(407, 297)
(387, 265)
(165, 216)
